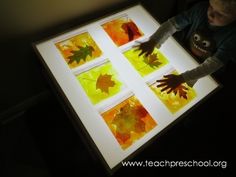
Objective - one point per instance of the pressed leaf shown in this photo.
(131, 29)
(182, 90)
(129, 119)
(81, 54)
(152, 60)
(104, 82)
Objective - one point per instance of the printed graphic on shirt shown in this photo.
(202, 44)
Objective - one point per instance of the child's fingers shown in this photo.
(148, 53)
(165, 89)
(183, 87)
(175, 92)
(162, 85)
(169, 76)
(137, 44)
(162, 80)
(142, 52)
(169, 91)
(137, 48)
(185, 97)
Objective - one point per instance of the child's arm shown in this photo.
(158, 38)
(208, 67)
(224, 53)
(166, 30)
(169, 27)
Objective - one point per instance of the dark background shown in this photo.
(37, 137)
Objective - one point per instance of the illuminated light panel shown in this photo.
(116, 101)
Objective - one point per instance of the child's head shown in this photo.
(221, 12)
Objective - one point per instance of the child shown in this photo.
(208, 30)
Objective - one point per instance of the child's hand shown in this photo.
(146, 48)
(170, 82)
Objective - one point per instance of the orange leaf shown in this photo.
(129, 119)
(182, 91)
(104, 82)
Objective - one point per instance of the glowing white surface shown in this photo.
(88, 113)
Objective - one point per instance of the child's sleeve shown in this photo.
(209, 66)
(164, 32)
(188, 17)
